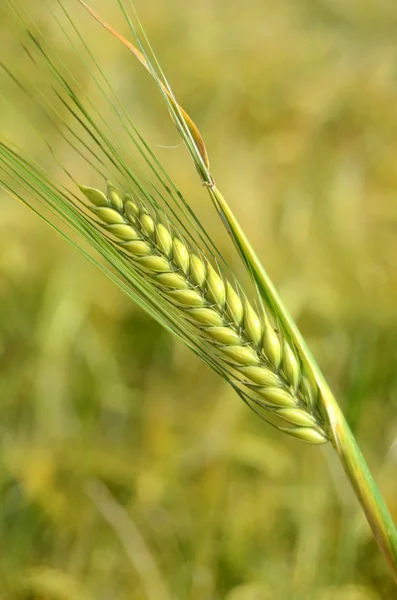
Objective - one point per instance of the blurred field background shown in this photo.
(128, 469)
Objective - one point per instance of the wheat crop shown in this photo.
(257, 346)
(266, 365)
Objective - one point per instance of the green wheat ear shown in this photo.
(265, 364)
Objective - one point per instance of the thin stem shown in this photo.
(360, 477)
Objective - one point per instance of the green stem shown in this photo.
(360, 477)
(341, 436)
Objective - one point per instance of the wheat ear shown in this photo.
(266, 365)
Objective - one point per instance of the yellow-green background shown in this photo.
(128, 470)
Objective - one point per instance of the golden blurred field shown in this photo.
(128, 469)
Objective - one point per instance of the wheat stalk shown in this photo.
(266, 363)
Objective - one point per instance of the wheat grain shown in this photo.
(267, 366)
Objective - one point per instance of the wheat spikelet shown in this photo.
(267, 366)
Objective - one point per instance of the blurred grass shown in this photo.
(128, 469)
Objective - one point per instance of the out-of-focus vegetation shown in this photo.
(129, 469)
